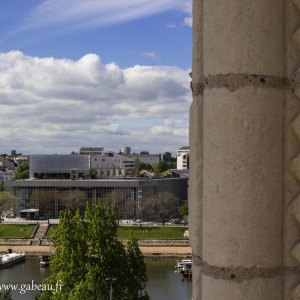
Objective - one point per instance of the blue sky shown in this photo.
(94, 74)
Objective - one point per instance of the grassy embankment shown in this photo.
(124, 232)
(16, 231)
(144, 232)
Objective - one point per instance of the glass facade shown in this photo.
(129, 199)
(125, 201)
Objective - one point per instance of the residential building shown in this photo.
(7, 164)
(124, 150)
(112, 164)
(183, 158)
(7, 175)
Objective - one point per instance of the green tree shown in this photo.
(167, 156)
(184, 209)
(137, 166)
(118, 204)
(22, 171)
(146, 166)
(89, 258)
(163, 166)
(69, 264)
(7, 201)
(137, 270)
(161, 206)
(6, 295)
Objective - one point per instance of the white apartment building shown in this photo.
(112, 164)
(183, 158)
(125, 150)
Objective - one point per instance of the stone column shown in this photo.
(196, 143)
(241, 141)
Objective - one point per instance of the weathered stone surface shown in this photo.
(295, 209)
(297, 3)
(295, 125)
(296, 252)
(237, 202)
(296, 38)
(295, 293)
(295, 167)
(244, 37)
(255, 289)
(242, 177)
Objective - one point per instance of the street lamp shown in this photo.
(111, 280)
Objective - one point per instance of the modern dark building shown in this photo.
(132, 195)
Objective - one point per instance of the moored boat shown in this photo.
(184, 267)
(182, 264)
(11, 259)
(44, 260)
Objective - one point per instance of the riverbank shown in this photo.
(150, 251)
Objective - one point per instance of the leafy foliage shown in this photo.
(6, 295)
(88, 256)
(163, 166)
(120, 204)
(7, 201)
(161, 206)
(167, 156)
(22, 171)
(184, 209)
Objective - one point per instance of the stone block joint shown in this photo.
(240, 274)
(235, 81)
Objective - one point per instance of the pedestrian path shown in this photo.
(40, 234)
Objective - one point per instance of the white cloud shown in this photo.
(96, 13)
(52, 105)
(171, 25)
(188, 21)
(150, 54)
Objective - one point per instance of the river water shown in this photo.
(163, 282)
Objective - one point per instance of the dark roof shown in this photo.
(91, 149)
(180, 173)
(184, 148)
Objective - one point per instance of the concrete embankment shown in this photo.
(150, 248)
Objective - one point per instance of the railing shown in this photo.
(31, 222)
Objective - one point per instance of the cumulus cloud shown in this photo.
(52, 105)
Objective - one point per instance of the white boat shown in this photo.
(184, 266)
(10, 259)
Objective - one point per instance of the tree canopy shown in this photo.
(89, 259)
(184, 209)
(7, 201)
(22, 171)
(162, 206)
(6, 295)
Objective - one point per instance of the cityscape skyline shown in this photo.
(94, 74)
